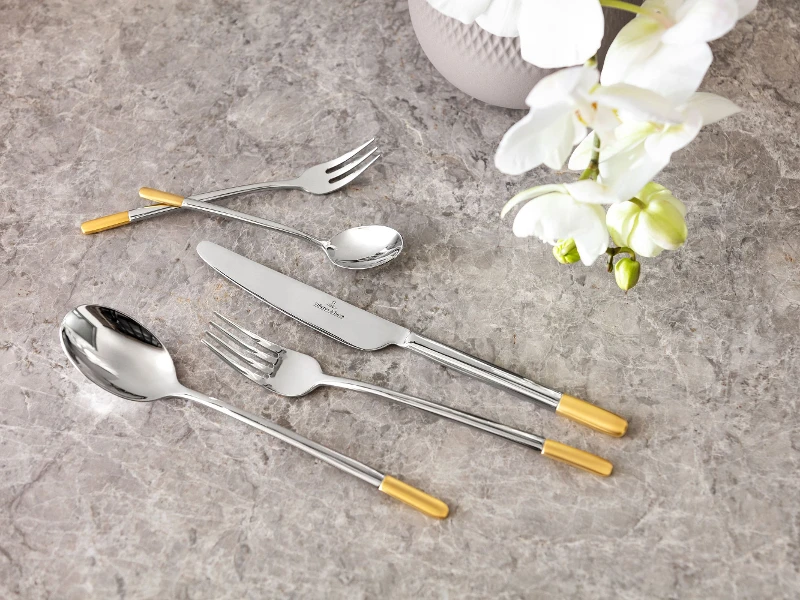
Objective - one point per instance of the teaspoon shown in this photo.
(125, 359)
(356, 248)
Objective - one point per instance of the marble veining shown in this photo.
(101, 498)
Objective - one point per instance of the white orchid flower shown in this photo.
(639, 149)
(553, 33)
(666, 49)
(467, 11)
(562, 105)
(568, 210)
(650, 223)
(746, 7)
(501, 17)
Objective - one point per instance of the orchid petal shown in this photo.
(672, 139)
(746, 7)
(501, 18)
(621, 218)
(640, 103)
(530, 194)
(542, 136)
(664, 224)
(557, 216)
(562, 86)
(702, 21)
(465, 11)
(628, 171)
(591, 192)
(604, 122)
(582, 155)
(563, 135)
(667, 196)
(627, 135)
(640, 241)
(593, 240)
(675, 71)
(551, 36)
(713, 108)
(666, 7)
(547, 217)
(635, 42)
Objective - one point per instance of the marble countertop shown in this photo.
(100, 498)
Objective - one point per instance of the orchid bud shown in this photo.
(566, 252)
(650, 223)
(626, 272)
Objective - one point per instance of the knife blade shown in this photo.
(363, 330)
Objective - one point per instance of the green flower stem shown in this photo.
(621, 5)
(637, 202)
(627, 6)
(612, 252)
(593, 170)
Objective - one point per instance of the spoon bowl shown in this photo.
(364, 247)
(118, 354)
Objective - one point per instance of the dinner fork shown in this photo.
(320, 179)
(293, 374)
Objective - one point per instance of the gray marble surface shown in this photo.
(100, 498)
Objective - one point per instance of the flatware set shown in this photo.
(293, 374)
(126, 359)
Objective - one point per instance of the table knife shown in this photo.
(365, 331)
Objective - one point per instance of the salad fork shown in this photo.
(293, 374)
(320, 179)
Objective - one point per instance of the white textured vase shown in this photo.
(483, 65)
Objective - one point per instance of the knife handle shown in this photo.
(563, 404)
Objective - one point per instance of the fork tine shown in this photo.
(236, 367)
(249, 334)
(332, 164)
(343, 180)
(264, 343)
(268, 358)
(344, 169)
(267, 369)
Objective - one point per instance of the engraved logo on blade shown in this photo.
(329, 308)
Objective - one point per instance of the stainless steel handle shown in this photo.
(565, 405)
(221, 211)
(416, 498)
(498, 429)
(340, 461)
(461, 361)
(145, 212)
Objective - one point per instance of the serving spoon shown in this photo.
(356, 248)
(124, 358)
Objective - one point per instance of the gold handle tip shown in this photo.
(592, 416)
(103, 223)
(577, 458)
(424, 503)
(161, 197)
